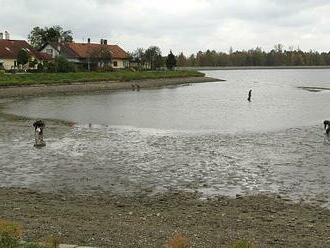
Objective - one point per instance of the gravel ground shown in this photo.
(106, 220)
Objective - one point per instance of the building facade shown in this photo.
(9, 50)
(90, 56)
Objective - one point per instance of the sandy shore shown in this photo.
(33, 90)
(106, 220)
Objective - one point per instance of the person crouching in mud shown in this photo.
(39, 134)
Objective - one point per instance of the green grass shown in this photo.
(67, 78)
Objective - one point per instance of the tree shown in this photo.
(33, 63)
(159, 62)
(40, 36)
(138, 56)
(153, 57)
(22, 57)
(181, 60)
(101, 56)
(170, 61)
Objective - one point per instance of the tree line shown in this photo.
(152, 58)
(142, 59)
(256, 57)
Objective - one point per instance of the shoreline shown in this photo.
(208, 68)
(73, 88)
(106, 220)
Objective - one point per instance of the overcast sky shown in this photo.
(180, 25)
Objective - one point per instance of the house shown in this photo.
(9, 50)
(89, 55)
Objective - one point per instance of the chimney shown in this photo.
(89, 40)
(7, 35)
(1, 36)
(105, 42)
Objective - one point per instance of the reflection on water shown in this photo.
(204, 137)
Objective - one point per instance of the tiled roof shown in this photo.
(85, 50)
(9, 49)
(65, 50)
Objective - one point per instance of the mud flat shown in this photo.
(38, 89)
(313, 89)
(107, 220)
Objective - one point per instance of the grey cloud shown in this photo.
(179, 25)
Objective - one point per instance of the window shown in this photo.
(49, 51)
(115, 63)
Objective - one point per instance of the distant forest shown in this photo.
(256, 57)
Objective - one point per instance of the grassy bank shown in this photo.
(67, 78)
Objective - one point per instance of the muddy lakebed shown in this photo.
(203, 138)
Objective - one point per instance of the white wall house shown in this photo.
(9, 50)
(89, 55)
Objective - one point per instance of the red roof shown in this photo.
(9, 49)
(84, 50)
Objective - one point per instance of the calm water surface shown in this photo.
(205, 137)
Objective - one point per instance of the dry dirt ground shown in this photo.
(107, 220)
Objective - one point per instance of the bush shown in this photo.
(243, 244)
(40, 67)
(50, 67)
(106, 68)
(178, 241)
(63, 65)
(33, 63)
(60, 64)
(10, 233)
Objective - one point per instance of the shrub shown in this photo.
(243, 244)
(178, 241)
(105, 68)
(33, 63)
(40, 67)
(63, 65)
(50, 67)
(10, 233)
(53, 242)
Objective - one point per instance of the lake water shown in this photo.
(205, 137)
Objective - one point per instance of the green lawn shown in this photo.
(66, 78)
